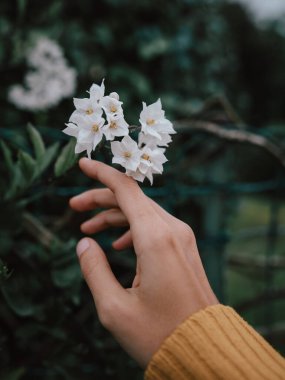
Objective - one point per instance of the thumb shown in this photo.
(100, 279)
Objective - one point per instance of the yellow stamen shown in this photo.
(113, 108)
(150, 121)
(113, 124)
(127, 154)
(89, 111)
(95, 127)
(146, 157)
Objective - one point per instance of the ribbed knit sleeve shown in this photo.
(215, 343)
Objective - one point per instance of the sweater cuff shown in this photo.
(215, 343)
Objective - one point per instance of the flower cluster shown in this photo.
(49, 81)
(102, 115)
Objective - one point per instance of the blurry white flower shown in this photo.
(111, 106)
(152, 141)
(48, 83)
(116, 127)
(126, 153)
(44, 52)
(153, 121)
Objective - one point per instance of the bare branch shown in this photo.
(275, 262)
(223, 102)
(234, 135)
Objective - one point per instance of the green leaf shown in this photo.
(7, 156)
(27, 165)
(18, 182)
(37, 141)
(66, 276)
(66, 159)
(50, 154)
(21, 306)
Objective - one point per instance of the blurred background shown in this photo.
(219, 68)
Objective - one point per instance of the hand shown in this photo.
(170, 282)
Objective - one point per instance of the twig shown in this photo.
(226, 106)
(255, 232)
(276, 262)
(35, 228)
(234, 135)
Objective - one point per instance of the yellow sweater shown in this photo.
(215, 343)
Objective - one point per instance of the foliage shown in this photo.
(195, 55)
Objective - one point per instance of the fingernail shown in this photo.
(82, 246)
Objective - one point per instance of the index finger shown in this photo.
(131, 199)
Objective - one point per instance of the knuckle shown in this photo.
(105, 219)
(108, 310)
(94, 199)
(187, 232)
(164, 237)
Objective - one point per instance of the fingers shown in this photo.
(98, 274)
(125, 241)
(103, 220)
(92, 199)
(130, 197)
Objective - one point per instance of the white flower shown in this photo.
(87, 130)
(49, 82)
(152, 158)
(153, 121)
(137, 175)
(90, 130)
(151, 162)
(141, 160)
(97, 92)
(114, 95)
(79, 148)
(89, 106)
(152, 141)
(117, 126)
(126, 153)
(72, 130)
(111, 105)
